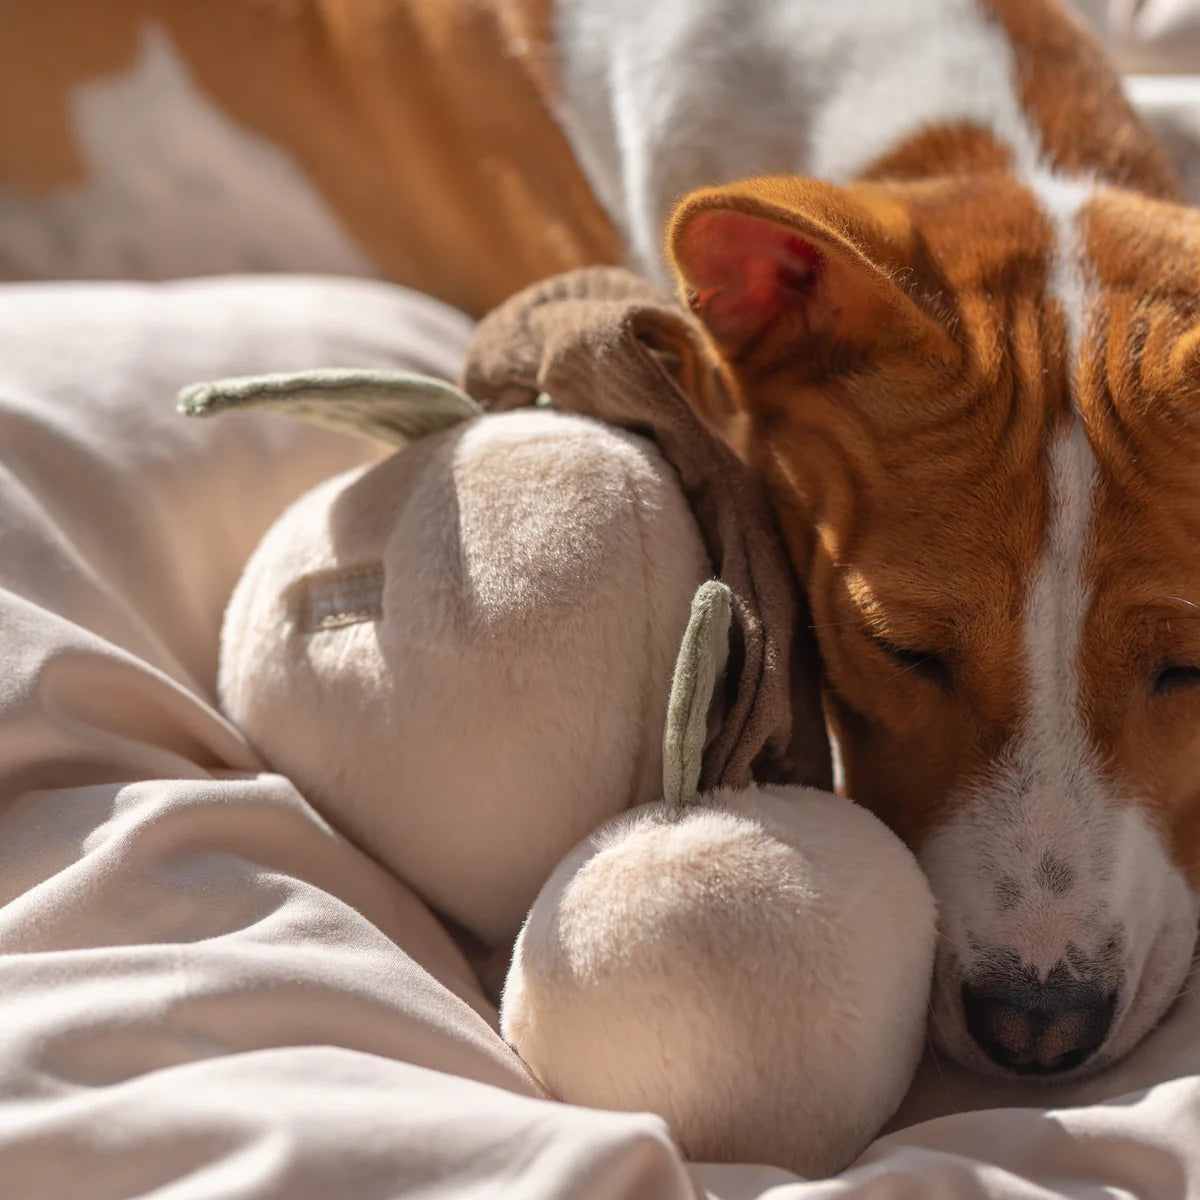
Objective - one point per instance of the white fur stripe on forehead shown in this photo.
(1053, 748)
(1055, 607)
(1057, 601)
(1063, 200)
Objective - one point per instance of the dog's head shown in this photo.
(977, 403)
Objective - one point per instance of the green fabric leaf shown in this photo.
(701, 662)
(394, 407)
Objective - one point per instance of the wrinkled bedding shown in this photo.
(206, 991)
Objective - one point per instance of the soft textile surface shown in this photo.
(204, 990)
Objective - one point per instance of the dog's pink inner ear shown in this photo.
(743, 273)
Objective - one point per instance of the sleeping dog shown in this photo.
(957, 307)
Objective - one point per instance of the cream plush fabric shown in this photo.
(534, 574)
(205, 991)
(632, 980)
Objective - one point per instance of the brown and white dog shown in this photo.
(961, 319)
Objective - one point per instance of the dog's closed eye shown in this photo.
(1174, 678)
(924, 663)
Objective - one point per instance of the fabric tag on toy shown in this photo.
(335, 599)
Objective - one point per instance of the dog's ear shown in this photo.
(796, 267)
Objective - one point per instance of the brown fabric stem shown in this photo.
(603, 343)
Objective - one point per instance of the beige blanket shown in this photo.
(207, 992)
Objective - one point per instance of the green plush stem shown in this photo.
(701, 662)
(393, 407)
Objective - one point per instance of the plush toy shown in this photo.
(468, 656)
(461, 654)
(752, 964)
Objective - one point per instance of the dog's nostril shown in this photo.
(1042, 1029)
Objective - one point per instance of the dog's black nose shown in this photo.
(1039, 1028)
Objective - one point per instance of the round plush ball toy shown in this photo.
(751, 965)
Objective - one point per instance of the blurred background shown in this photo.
(119, 157)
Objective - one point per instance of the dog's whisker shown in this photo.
(911, 667)
(935, 1056)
